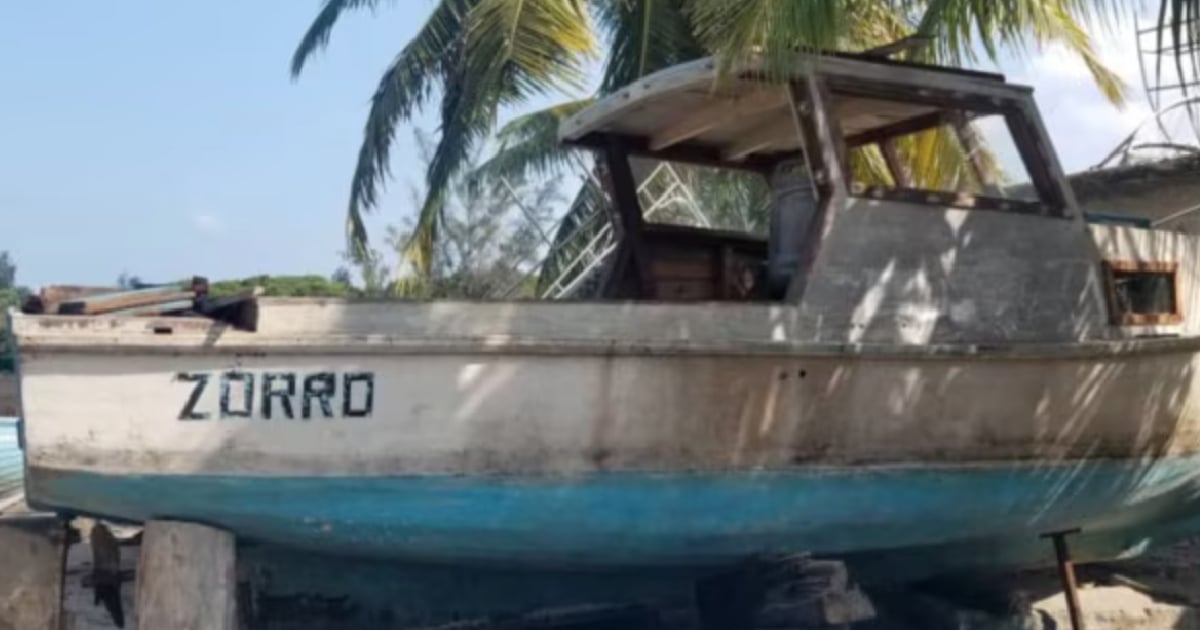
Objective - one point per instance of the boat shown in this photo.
(914, 371)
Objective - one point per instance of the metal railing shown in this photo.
(662, 189)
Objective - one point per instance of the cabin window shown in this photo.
(922, 153)
(1142, 293)
(687, 195)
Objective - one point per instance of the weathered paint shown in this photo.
(896, 273)
(664, 519)
(279, 397)
(570, 414)
(597, 432)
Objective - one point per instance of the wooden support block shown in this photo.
(34, 551)
(8, 395)
(186, 577)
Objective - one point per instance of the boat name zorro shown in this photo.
(279, 395)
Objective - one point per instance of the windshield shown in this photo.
(917, 152)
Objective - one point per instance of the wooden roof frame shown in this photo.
(842, 73)
(809, 96)
(883, 79)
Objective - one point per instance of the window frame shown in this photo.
(1117, 317)
(952, 108)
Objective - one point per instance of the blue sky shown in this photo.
(166, 139)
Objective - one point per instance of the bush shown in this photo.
(282, 286)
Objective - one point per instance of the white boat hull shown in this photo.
(487, 441)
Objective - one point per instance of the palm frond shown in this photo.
(404, 87)
(583, 221)
(512, 49)
(872, 25)
(769, 30)
(529, 145)
(959, 28)
(644, 36)
(317, 36)
(534, 46)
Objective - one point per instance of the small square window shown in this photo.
(1142, 293)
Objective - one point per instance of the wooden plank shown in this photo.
(939, 199)
(683, 267)
(48, 299)
(684, 153)
(720, 111)
(932, 88)
(623, 189)
(760, 139)
(186, 577)
(723, 278)
(952, 71)
(902, 128)
(8, 395)
(825, 154)
(62, 293)
(653, 93)
(34, 549)
(832, 144)
(669, 233)
(685, 290)
(1037, 154)
(100, 304)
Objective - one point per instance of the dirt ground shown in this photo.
(1158, 592)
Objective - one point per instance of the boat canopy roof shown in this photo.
(740, 117)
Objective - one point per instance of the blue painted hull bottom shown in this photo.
(895, 520)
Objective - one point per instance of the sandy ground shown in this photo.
(80, 612)
(1157, 593)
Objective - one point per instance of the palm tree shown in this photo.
(480, 55)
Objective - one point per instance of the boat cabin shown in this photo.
(904, 203)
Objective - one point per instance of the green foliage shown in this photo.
(529, 145)
(644, 36)
(476, 56)
(479, 55)
(282, 286)
(8, 271)
(11, 295)
(492, 234)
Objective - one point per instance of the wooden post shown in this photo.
(623, 188)
(33, 552)
(825, 156)
(1066, 573)
(185, 577)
